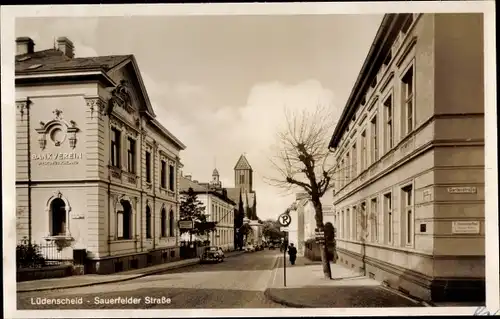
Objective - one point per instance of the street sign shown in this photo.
(286, 229)
(284, 219)
(186, 224)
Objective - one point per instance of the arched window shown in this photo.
(163, 223)
(171, 223)
(148, 222)
(124, 220)
(58, 217)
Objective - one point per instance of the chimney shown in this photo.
(24, 45)
(188, 177)
(66, 46)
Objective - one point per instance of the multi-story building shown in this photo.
(95, 169)
(409, 196)
(218, 208)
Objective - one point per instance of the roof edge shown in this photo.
(388, 23)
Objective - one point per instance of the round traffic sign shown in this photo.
(284, 219)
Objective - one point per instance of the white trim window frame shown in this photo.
(408, 99)
(388, 219)
(364, 223)
(408, 214)
(131, 155)
(354, 159)
(115, 146)
(364, 151)
(389, 122)
(374, 146)
(347, 171)
(348, 223)
(374, 219)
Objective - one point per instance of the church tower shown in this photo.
(215, 179)
(243, 172)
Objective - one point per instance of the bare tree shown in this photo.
(304, 161)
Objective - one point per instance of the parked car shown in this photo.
(212, 254)
(250, 248)
(271, 246)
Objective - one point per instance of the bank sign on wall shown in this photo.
(55, 159)
(58, 166)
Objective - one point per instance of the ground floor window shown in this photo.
(58, 218)
(171, 223)
(148, 222)
(124, 220)
(388, 218)
(163, 223)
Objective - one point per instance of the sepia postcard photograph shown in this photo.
(212, 160)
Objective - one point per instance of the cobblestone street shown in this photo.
(238, 282)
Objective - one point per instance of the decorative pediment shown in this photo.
(58, 130)
(121, 97)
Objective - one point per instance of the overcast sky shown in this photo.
(219, 83)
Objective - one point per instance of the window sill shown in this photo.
(58, 237)
(122, 240)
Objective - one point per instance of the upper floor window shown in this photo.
(374, 144)
(163, 174)
(115, 147)
(342, 173)
(171, 177)
(242, 178)
(407, 94)
(363, 151)
(131, 155)
(347, 171)
(148, 167)
(354, 160)
(389, 130)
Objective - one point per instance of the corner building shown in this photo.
(409, 146)
(95, 168)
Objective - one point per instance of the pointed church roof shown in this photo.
(215, 172)
(242, 164)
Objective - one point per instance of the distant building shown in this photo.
(218, 208)
(243, 185)
(303, 225)
(409, 207)
(95, 169)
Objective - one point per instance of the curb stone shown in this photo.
(415, 300)
(282, 301)
(115, 280)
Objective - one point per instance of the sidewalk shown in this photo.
(91, 280)
(306, 288)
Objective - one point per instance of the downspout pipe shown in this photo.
(28, 102)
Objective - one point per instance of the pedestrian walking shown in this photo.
(292, 252)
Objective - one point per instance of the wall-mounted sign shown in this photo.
(462, 190)
(465, 227)
(186, 224)
(48, 159)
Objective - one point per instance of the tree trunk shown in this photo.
(327, 271)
